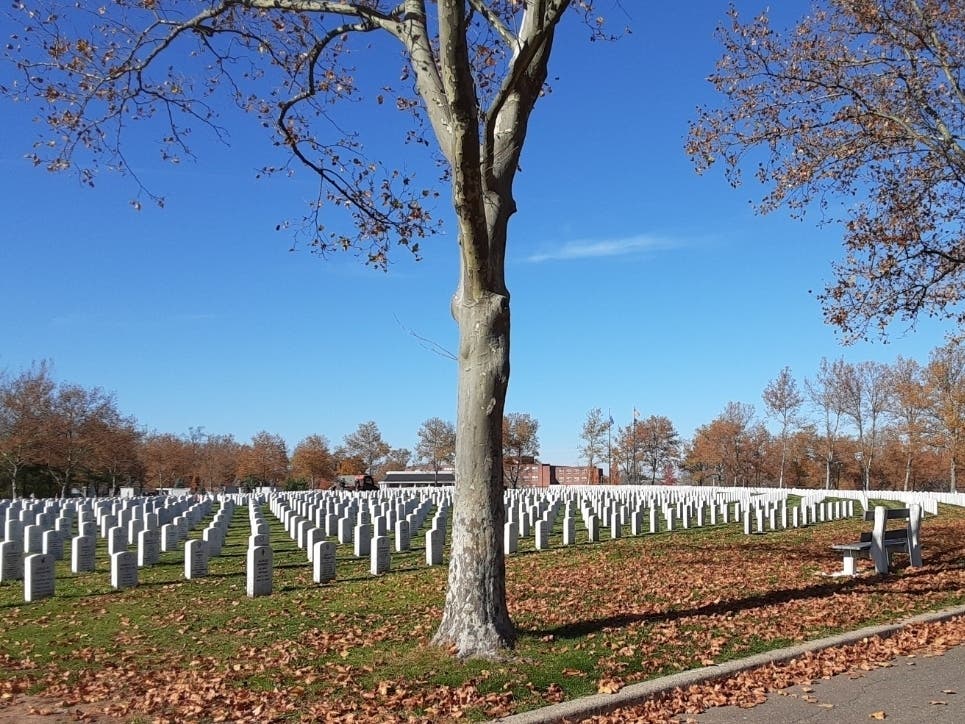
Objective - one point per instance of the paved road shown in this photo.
(914, 690)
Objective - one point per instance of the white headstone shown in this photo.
(345, 530)
(592, 529)
(258, 540)
(169, 537)
(33, 539)
(259, 571)
(134, 526)
(363, 539)
(53, 544)
(213, 535)
(11, 560)
(195, 559)
(434, 543)
(569, 531)
(510, 539)
(301, 532)
(116, 540)
(148, 547)
(82, 553)
(38, 577)
(380, 558)
(312, 538)
(323, 562)
(107, 522)
(402, 538)
(636, 523)
(123, 569)
(13, 531)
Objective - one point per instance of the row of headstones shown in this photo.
(538, 516)
(38, 568)
(604, 504)
(259, 560)
(619, 507)
(779, 516)
(308, 519)
(521, 525)
(369, 537)
(45, 529)
(43, 512)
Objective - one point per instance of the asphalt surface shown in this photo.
(914, 690)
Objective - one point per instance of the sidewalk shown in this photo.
(914, 690)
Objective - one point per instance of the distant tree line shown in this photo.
(865, 425)
(58, 439)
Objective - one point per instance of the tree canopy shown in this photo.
(860, 110)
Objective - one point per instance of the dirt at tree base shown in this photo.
(31, 709)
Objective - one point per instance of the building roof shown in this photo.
(418, 477)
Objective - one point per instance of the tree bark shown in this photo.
(475, 620)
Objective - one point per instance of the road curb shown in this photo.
(636, 693)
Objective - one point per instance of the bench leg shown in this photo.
(849, 567)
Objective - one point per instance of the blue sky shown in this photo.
(634, 282)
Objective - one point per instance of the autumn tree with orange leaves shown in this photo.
(312, 460)
(859, 109)
(520, 444)
(264, 461)
(25, 404)
(945, 385)
(724, 449)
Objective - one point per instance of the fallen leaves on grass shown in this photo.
(622, 612)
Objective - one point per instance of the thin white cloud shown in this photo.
(99, 320)
(598, 248)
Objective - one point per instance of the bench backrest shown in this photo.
(894, 534)
(890, 514)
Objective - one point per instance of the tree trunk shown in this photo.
(13, 481)
(475, 620)
(907, 471)
(780, 481)
(952, 484)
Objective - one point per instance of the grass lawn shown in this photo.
(590, 617)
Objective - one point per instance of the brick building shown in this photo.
(543, 475)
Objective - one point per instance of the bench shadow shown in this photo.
(825, 589)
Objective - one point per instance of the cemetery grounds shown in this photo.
(591, 617)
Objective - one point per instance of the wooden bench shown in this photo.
(879, 543)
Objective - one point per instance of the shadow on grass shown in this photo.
(827, 589)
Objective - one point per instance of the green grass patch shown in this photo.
(634, 608)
